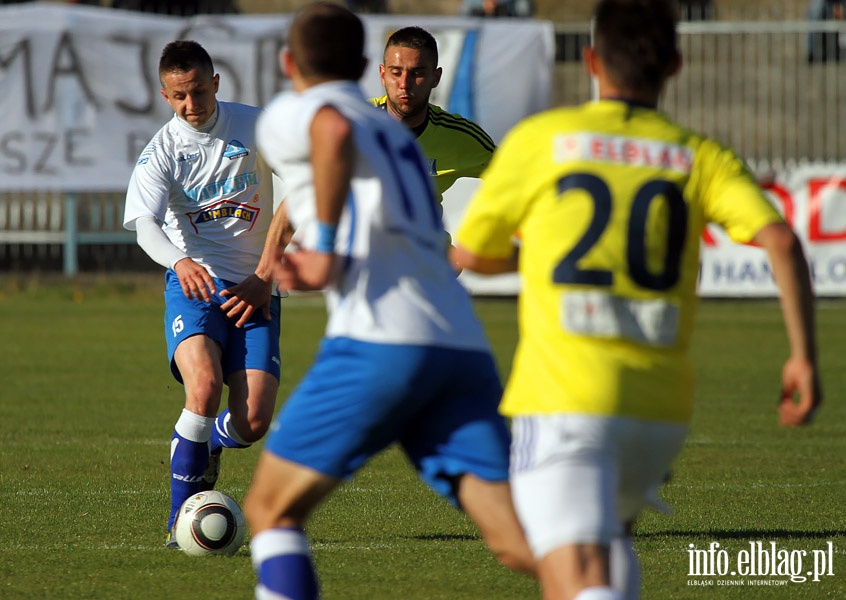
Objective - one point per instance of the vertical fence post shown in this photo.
(71, 235)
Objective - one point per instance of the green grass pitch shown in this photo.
(87, 406)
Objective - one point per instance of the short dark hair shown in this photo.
(184, 55)
(415, 38)
(327, 40)
(637, 42)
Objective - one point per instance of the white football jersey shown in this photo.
(212, 191)
(396, 285)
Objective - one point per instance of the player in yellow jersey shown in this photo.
(611, 199)
(454, 146)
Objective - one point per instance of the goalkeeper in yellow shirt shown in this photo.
(611, 199)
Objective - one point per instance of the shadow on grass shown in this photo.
(443, 537)
(744, 534)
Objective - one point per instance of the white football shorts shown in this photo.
(577, 479)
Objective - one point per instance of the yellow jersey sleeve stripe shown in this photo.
(442, 118)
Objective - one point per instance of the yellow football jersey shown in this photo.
(454, 146)
(610, 200)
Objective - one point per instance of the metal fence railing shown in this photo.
(66, 231)
(764, 88)
(755, 87)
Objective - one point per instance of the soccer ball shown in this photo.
(210, 523)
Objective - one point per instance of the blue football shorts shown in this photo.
(253, 346)
(357, 398)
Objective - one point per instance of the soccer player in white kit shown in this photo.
(201, 201)
(404, 358)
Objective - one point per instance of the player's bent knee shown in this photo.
(515, 559)
(254, 431)
(252, 511)
(260, 425)
(260, 512)
(203, 396)
(252, 428)
(512, 552)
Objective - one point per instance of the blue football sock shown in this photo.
(224, 434)
(189, 457)
(282, 560)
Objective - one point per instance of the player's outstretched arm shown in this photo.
(461, 258)
(801, 390)
(332, 160)
(194, 278)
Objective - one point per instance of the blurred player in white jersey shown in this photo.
(610, 199)
(404, 358)
(201, 201)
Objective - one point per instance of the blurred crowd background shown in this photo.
(554, 10)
